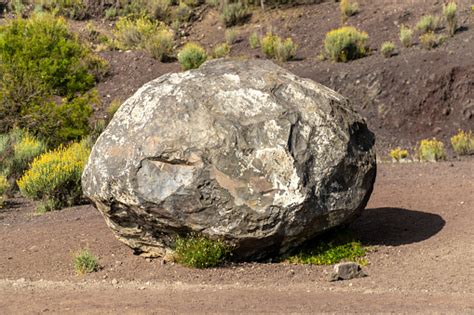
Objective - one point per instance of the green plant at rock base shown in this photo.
(55, 176)
(200, 252)
(387, 49)
(345, 43)
(406, 36)
(431, 150)
(449, 11)
(85, 262)
(463, 143)
(191, 56)
(329, 249)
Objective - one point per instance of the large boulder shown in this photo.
(243, 151)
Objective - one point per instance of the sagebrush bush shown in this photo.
(431, 150)
(254, 40)
(284, 49)
(160, 44)
(427, 23)
(221, 50)
(145, 34)
(275, 47)
(183, 13)
(41, 61)
(463, 143)
(329, 249)
(398, 154)
(200, 252)
(4, 186)
(345, 43)
(406, 36)
(55, 176)
(429, 40)
(133, 33)
(449, 11)
(18, 148)
(234, 13)
(387, 49)
(85, 262)
(191, 56)
(348, 8)
(230, 36)
(73, 9)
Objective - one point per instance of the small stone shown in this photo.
(347, 271)
(115, 281)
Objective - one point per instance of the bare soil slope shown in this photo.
(419, 222)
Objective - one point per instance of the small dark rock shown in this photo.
(347, 271)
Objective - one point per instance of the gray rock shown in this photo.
(347, 271)
(244, 151)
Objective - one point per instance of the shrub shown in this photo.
(221, 50)
(200, 252)
(230, 36)
(254, 41)
(183, 13)
(159, 9)
(463, 143)
(284, 50)
(387, 49)
(17, 150)
(111, 13)
(85, 262)
(329, 249)
(345, 43)
(142, 33)
(3, 189)
(55, 176)
(431, 150)
(191, 56)
(160, 44)
(268, 44)
(348, 8)
(133, 33)
(449, 11)
(73, 9)
(398, 154)
(429, 40)
(406, 36)
(427, 23)
(41, 61)
(234, 13)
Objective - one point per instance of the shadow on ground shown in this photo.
(396, 226)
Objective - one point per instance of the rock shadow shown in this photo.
(396, 226)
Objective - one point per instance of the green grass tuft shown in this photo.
(330, 249)
(85, 262)
(200, 252)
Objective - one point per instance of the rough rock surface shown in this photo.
(239, 150)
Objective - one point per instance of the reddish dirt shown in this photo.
(418, 222)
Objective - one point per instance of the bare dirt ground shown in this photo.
(419, 223)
